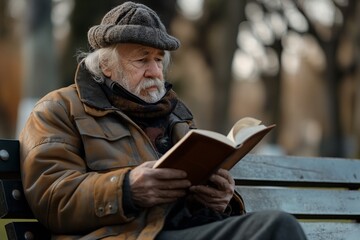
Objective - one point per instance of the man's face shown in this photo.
(140, 71)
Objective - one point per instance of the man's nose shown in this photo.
(153, 69)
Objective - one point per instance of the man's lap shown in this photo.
(260, 225)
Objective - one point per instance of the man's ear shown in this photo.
(106, 70)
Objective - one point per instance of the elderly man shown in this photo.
(87, 150)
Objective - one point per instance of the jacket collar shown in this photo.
(89, 90)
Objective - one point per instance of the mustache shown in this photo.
(149, 82)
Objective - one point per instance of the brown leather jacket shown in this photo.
(75, 151)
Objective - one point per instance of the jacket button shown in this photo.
(113, 179)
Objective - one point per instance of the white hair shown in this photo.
(109, 57)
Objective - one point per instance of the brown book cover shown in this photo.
(201, 152)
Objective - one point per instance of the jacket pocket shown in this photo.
(107, 144)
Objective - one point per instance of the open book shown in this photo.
(201, 152)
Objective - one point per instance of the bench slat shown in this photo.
(12, 200)
(9, 159)
(303, 203)
(297, 171)
(26, 230)
(331, 230)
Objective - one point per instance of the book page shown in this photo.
(245, 133)
(241, 124)
(249, 138)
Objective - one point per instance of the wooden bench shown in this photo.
(323, 193)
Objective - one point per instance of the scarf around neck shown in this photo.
(153, 118)
(135, 107)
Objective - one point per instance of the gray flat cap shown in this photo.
(131, 23)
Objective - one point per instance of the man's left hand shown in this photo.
(218, 195)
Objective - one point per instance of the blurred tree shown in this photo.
(356, 104)
(40, 75)
(217, 33)
(39, 60)
(328, 29)
(10, 71)
(4, 120)
(329, 40)
(3, 25)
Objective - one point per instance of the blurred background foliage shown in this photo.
(290, 62)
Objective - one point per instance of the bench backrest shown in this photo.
(323, 193)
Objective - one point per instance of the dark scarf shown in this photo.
(153, 118)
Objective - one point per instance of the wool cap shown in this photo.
(131, 23)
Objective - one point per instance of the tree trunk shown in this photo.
(40, 72)
(220, 31)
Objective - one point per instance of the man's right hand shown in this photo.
(151, 186)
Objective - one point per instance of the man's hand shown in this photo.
(150, 186)
(218, 196)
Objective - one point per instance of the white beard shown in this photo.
(153, 95)
(141, 89)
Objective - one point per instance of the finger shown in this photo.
(204, 199)
(170, 193)
(173, 184)
(223, 182)
(218, 206)
(167, 196)
(148, 164)
(220, 182)
(169, 173)
(226, 174)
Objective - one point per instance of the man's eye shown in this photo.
(139, 62)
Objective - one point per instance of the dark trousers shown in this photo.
(266, 225)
